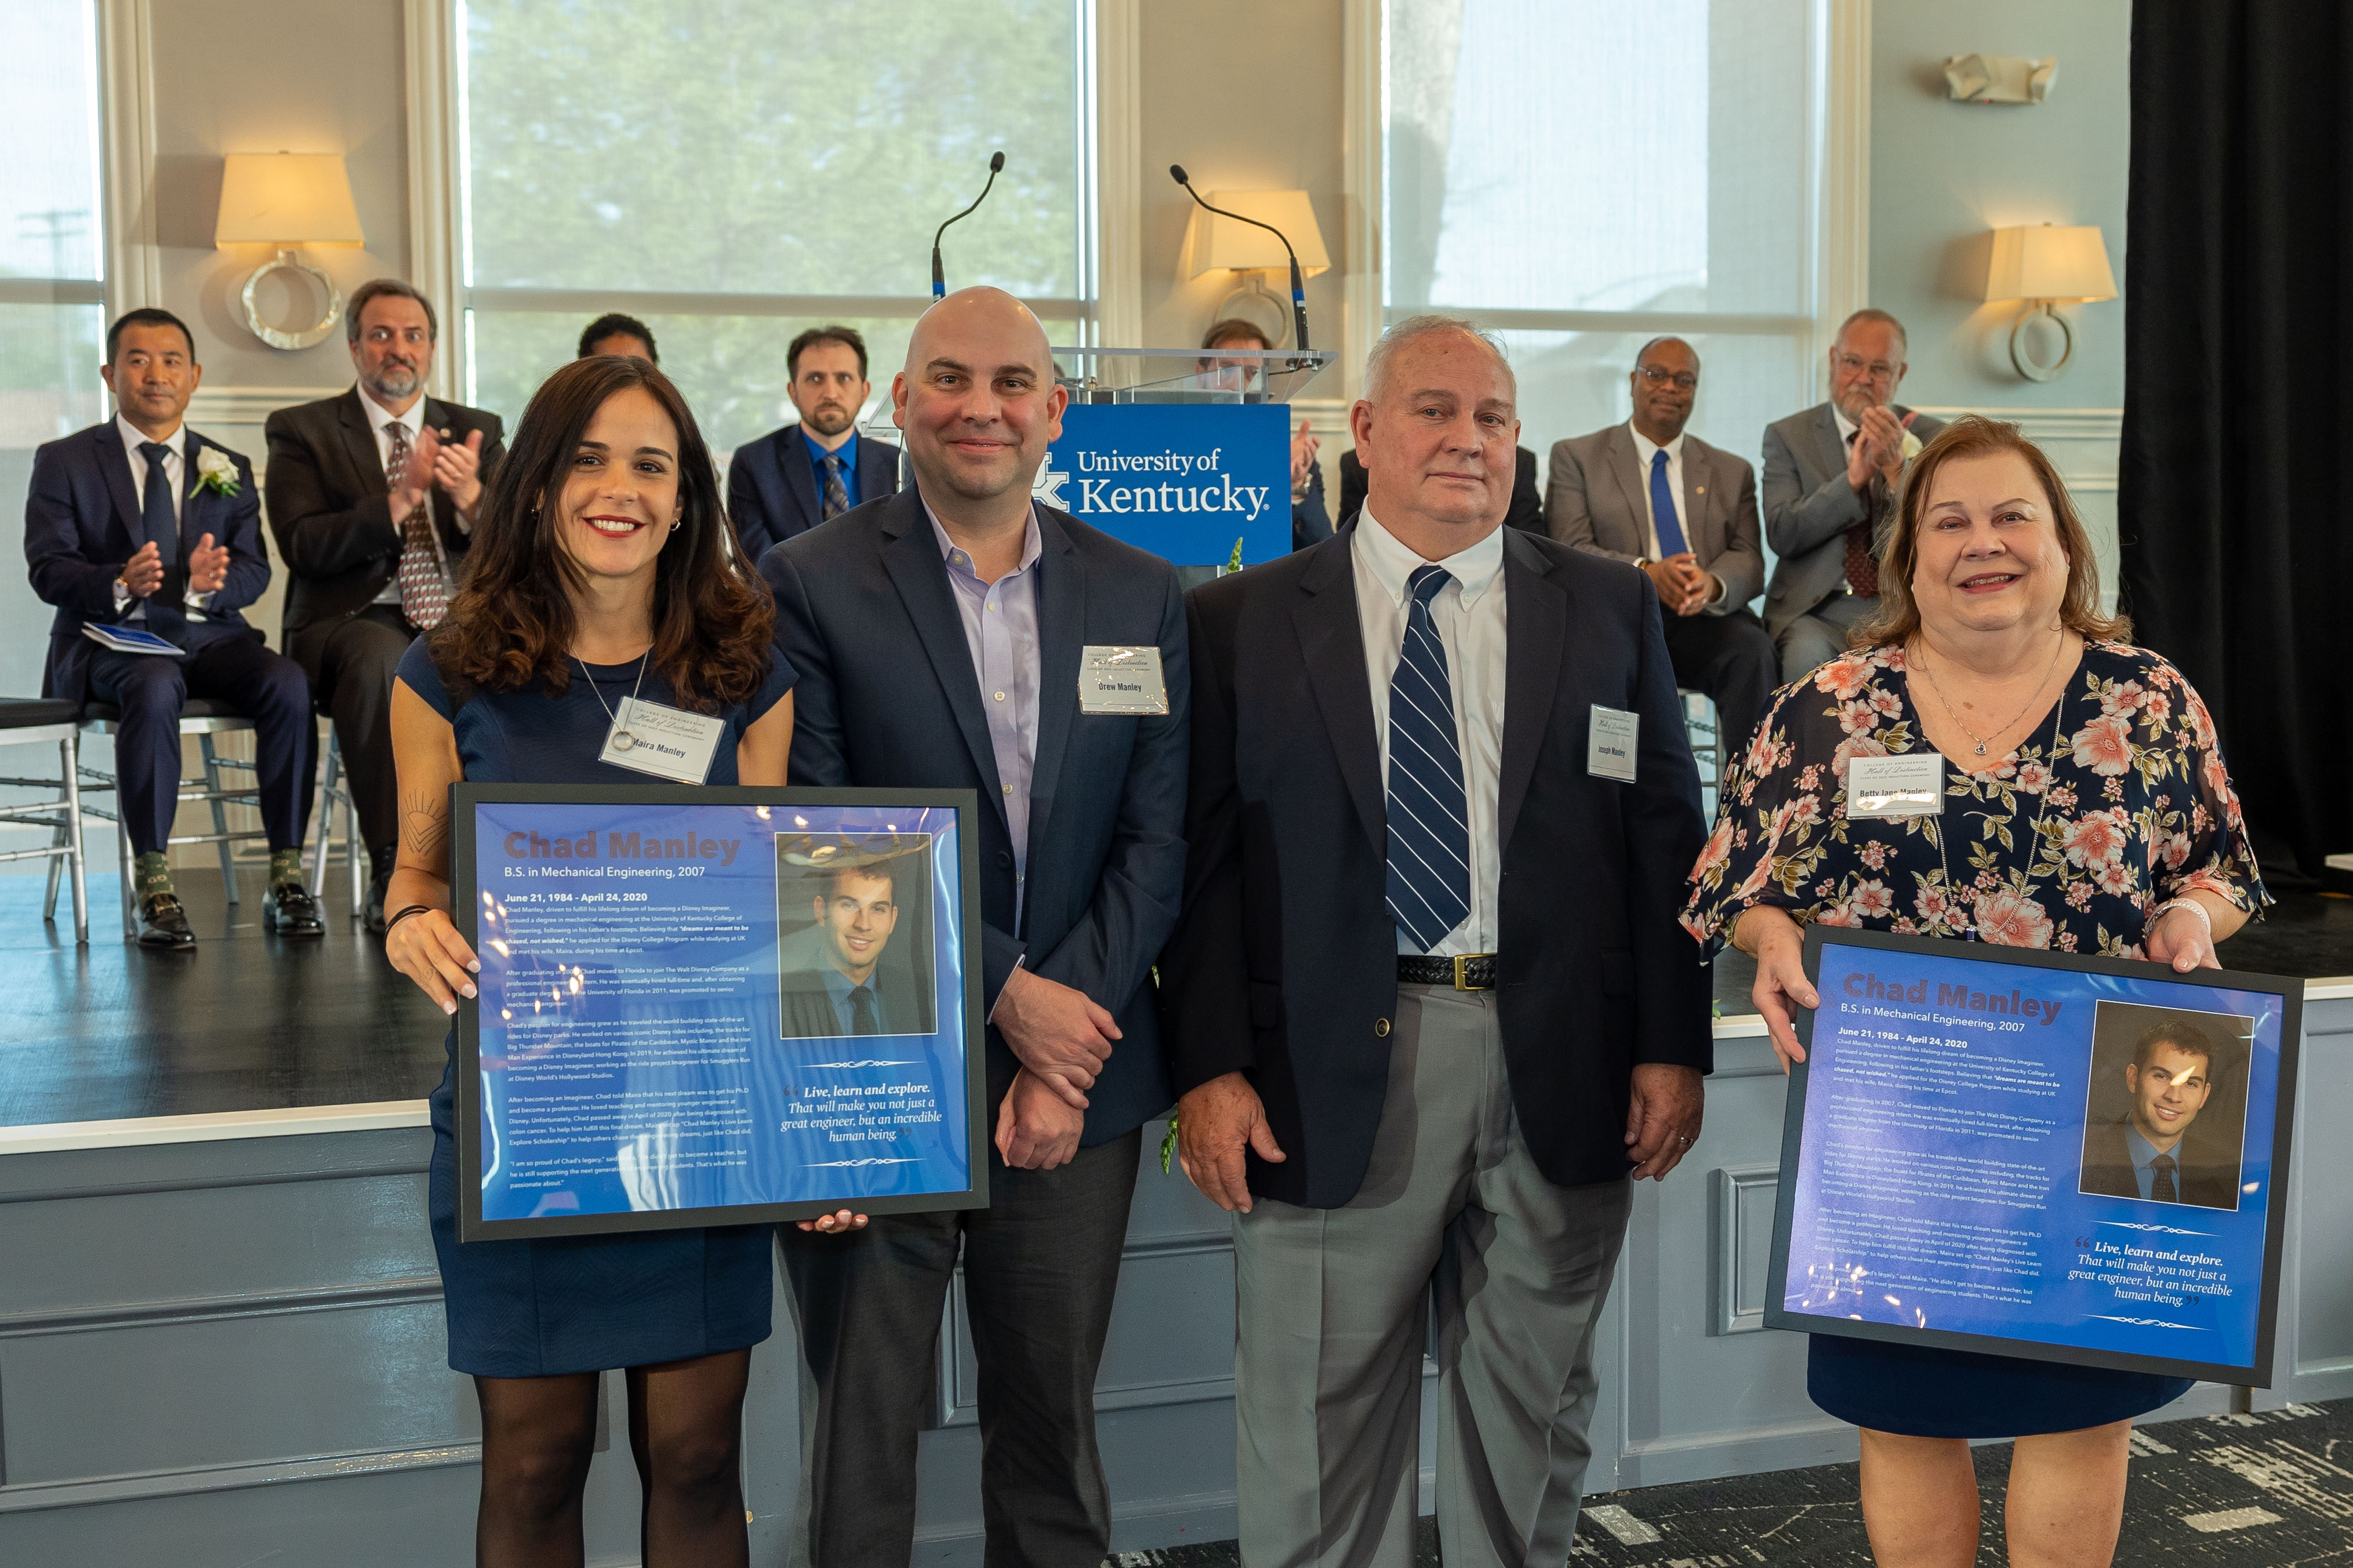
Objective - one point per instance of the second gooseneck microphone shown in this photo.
(939, 277)
(1298, 287)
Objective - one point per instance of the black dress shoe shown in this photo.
(163, 923)
(288, 910)
(375, 904)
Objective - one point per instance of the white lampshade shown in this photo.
(2045, 262)
(1219, 244)
(287, 199)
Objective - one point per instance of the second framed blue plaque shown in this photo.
(715, 1007)
(2037, 1154)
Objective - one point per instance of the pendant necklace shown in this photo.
(2014, 717)
(622, 739)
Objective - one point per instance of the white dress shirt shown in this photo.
(175, 471)
(412, 424)
(1468, 614)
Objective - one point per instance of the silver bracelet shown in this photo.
(2185, 902)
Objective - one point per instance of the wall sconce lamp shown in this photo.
(1220, 245)
(2045, 266)
(288, 199)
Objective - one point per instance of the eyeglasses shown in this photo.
(1684, 380)
(1879, 369)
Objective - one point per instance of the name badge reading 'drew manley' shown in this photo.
(1909, 785)
(668, 742)
(1120, 680)
(1609, 752)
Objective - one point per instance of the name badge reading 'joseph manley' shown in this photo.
(1120, 680)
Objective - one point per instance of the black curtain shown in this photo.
(2235, 501)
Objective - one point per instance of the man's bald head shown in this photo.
(978, 401)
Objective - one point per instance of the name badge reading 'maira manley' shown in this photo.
(668, 742)
(1120, 680)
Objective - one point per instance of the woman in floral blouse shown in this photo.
(2086, 808)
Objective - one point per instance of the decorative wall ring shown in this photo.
(287, 261)
(2025, 361)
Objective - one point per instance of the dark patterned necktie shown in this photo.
(837, 494)
(1862, 566)
(1429, 815)
(424, 594)
(162, 526)
(2161, 1189)
(861, 1011)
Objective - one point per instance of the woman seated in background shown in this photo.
(599, 570)
(2086, 809)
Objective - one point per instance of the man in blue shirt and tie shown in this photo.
(847, 995)
(789, 480)
(2170, 1079)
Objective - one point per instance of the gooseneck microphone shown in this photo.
(939, 278)
(1298, 288)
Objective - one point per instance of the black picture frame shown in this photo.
(2290, 991)
(467, 897)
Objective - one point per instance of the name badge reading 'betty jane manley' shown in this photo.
(1120, 680)
(1912, 784)
(668, 742)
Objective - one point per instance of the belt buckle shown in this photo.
(1461, 962)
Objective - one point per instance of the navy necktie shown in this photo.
(1662, 509)
(1429, 816)
(161, 524)
(2161, 1181)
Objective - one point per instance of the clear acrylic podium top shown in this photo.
(1187, 375)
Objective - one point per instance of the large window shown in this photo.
(1587, 174)
(733, 171)
(51, 300)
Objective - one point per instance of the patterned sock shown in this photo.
(151, 875)
(286, 866)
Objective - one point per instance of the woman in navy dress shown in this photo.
(2086, 809)
(599, 569)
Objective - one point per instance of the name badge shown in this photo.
(1120, 680)
(1892, 787)
(668, 742)
(1610, 751)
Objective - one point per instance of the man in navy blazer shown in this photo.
(789, 480)
(1428, 1004)
(939, 637)
(140, 523)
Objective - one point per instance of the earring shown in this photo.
(674, 525)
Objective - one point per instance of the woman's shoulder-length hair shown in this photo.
(511, 619)
(1974, 436)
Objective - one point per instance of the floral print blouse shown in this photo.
(2117, 801)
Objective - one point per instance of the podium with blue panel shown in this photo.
(1183, 452)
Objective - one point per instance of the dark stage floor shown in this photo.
(250, 1022)
(246, 1022)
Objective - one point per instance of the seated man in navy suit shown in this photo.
(142, 523)
(789, 480)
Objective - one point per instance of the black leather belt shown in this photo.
(1468, 972)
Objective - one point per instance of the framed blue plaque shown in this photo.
(715, 1006)
(2037, 1154)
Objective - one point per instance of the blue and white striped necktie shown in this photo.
(1428, 815)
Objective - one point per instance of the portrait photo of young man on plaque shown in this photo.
(854, 942)
(2167, 1110)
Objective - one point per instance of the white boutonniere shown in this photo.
(216, 471)
(1911, 445)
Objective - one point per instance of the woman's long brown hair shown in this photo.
(1974, 436)
(511, 620)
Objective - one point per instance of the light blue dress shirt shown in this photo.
(839, 986)
(848, 455)
(2144, 1153)
(1000, 630)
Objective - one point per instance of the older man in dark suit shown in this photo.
(1428, 1003)
(942, 636)
(140, 524)
(372, 498)
(789, 480)
(1648, 493)
(1832, 475)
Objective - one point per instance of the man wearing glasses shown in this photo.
(1832, 475)
(372, 500)
(1649, 493)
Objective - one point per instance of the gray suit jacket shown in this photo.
(1596, 499)
(1809, 506)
